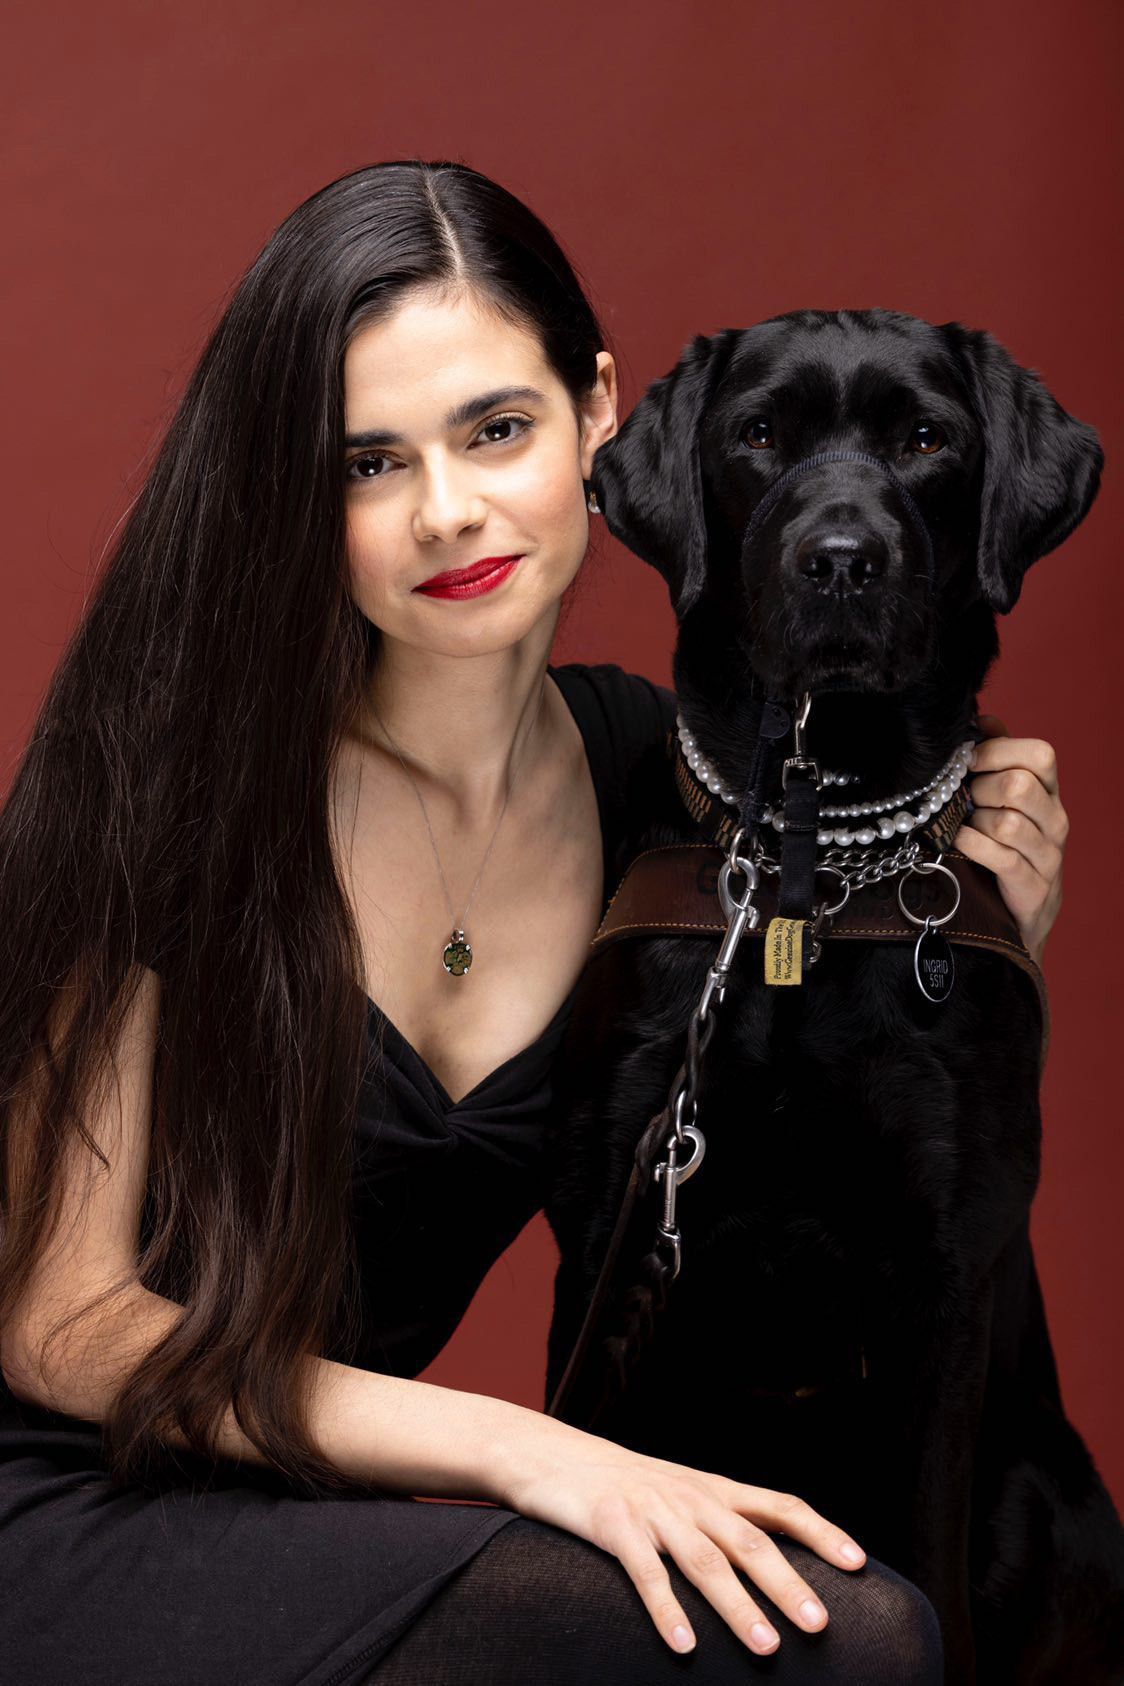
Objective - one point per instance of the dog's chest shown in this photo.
(850, 1124)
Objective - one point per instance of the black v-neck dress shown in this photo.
(246, 1583)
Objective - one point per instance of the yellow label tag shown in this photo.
(783, 943)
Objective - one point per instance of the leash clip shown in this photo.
(799, 758)
(671, 1174)
(739, 914)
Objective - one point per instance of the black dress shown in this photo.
(247, 1582)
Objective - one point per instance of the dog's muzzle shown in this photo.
(802, 800)
(908, 501)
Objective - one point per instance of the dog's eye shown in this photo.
(758, 434)
(926, 438)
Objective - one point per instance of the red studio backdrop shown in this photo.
(704, 166)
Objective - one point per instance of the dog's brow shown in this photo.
(818, 394)
(793, 383)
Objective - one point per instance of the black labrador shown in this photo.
(871, 1158)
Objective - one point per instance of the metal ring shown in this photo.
(924, 867)
(827, 866)
(677, 1114)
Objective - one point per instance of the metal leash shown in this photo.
(740, 914)
(854, 868)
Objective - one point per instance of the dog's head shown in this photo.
(834, 581)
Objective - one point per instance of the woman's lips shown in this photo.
(470, 582)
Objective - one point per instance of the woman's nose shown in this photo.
(448, 501)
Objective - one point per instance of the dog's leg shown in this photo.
(1048, 1546)
(929, 1435)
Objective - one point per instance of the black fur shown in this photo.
(871, 1157)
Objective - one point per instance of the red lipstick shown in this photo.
(472, 581)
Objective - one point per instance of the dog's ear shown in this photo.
(1042, 467)
(647, 476)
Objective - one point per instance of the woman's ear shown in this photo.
(647, 476)
(1041, 470)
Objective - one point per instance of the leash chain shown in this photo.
(660, 1265)
(855, 867)
(676, 1124)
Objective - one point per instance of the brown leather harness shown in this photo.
(673, 891)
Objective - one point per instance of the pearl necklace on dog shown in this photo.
(858, 853)
(882, 819)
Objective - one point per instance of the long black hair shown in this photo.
(171, 810)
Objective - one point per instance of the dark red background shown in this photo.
(704, 166)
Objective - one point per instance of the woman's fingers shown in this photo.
(1018, 776)
(708, 1567)
(1013, 829)
(707, 1564)
(735, 1539)
(649, 1574)
(785, 1513)
(706, 1544)
(998, 750)
(1019, 827)
(1020, 791)
(637, 1507)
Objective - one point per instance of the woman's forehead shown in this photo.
(424, 365)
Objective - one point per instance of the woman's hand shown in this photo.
(1019, 827)
(637, 1507)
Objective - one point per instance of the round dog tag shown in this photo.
(933, 965)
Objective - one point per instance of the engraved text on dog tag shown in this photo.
(933, 965)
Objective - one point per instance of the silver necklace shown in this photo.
(456, 956)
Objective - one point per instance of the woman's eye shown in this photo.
(523, 422)
(370, 456)
(758, 434)
(506, 421)
(926, 438)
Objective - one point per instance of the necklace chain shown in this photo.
(458, 953)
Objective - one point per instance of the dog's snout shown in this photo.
(841, 564)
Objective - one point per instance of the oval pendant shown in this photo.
(933, 965)
(457, 957)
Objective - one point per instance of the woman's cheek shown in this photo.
(558, 523)
(364, 573)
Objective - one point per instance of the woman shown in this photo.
(259, 1146)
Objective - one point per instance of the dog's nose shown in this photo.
(842, 564)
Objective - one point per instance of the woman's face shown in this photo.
(505, 481)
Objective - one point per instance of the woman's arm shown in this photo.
(1019, 827)
(413, 1437)
(388, 1432)
(385, 1431)
(400, 1435)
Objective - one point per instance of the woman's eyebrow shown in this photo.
(459, 416)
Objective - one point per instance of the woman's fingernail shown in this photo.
(851, 1553)
(762, 1634)
(972, 756)
(811, 1611)
(682, 1638)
